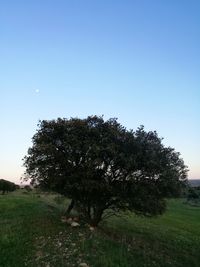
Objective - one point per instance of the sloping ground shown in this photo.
(32, 234)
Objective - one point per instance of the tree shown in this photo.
(6, 186)
(104, 167)
(193, 194)
(28, 188)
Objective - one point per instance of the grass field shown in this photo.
(32, 234)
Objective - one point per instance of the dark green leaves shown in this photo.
(101, 165)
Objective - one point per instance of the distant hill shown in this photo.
(194, 182)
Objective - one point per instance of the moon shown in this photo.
(37, 91)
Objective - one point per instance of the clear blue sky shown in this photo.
(137, 60)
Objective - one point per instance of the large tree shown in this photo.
(7, 186)
(103, 167)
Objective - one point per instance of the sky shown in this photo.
(136, 60)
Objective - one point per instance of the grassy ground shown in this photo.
(32, 234)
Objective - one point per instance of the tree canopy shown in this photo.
(6, 186)
(103, 167)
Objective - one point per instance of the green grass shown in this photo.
(32, 234)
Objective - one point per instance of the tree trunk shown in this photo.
(70, 207)
(96, 218)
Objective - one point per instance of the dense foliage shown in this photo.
(6, 186)
(103, 166)
(193, 194)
